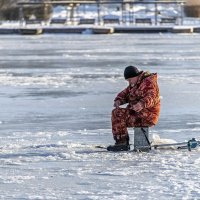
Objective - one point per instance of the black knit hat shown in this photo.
(131, 71)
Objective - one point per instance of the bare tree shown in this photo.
(9, 10)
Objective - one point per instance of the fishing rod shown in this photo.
(190, 144)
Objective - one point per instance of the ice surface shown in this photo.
(57, 94)
(55, 166)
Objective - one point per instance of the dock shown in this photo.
(98, 29)
(30, 31)
(127, 21)
(157, 29)
(79, 30)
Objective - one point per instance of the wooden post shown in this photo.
(182, 12)
(141, 139)
(98, 13)
(71, 13)
(45, 14)
(122, 14)
(156, 13)
(21, 15)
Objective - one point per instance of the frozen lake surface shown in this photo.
(57, 94)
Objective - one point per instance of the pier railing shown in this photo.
(125, 7)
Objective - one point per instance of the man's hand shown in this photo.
(116, 104)
(137, 107)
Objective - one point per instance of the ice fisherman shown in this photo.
(143, 106)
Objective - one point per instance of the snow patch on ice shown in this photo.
(193, 123)
(16, 179)
(156, 140)
(9, 79)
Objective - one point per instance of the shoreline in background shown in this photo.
(94, 29)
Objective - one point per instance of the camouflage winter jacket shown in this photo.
(146, 91)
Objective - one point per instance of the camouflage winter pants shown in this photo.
(122, 118)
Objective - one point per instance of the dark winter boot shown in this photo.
(120, 146)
